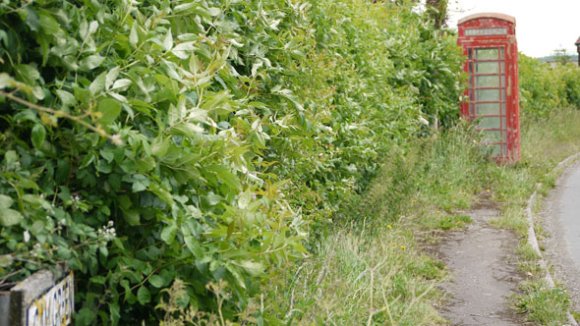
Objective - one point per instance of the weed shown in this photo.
(454, 222)
(544, 305)
(369, 268)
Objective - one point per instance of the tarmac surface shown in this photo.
(561, 221)
(481, 260)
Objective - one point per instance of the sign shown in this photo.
(54, 307)
(486, 31)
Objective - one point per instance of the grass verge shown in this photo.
(544, 144)
(371, 267)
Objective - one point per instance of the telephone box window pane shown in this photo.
(487, 54)
(495, 150)
(487, 108)
(503, 109)
(489, 122)
(492, 136)
(501, 53)
(487, 81)
(487, 95)
(487, 68)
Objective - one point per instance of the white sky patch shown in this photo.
(541, 26)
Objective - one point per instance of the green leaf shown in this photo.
(112, 76)
(85, 316)
(132, 217)
(5, 202)
(184, 6)
(29, 16)
(193, 245)
(168, 233)
(115, 312)
(9, 217)
(108, 154)
(225, 176)
(99, 279)
(66, 98)
(27, 73)
(6, 81)
(121, 84)
(252, 268)
(38, 135)
(91, 62)
(6, 261)
(237, 276)
(140, 183)
(157, 281)
(48, 24)
(133, 35)
(109, 109)
(168, 41)
(11, 160)
(162, 193)
(143, 295)
(213, 11)
(98, 84)
(160, 147)
(183, 50)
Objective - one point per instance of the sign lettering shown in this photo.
(55, 307)
(486, 31)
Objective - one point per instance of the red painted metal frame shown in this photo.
(488, 31)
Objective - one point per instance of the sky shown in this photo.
(541, 26)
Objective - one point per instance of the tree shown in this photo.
(561, 56)
(437, 12)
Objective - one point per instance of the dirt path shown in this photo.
(483, 274)
(561, 220)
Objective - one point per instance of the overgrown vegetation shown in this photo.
(259, 161)
(200, 141)
(419, 191)
(372, 270)
(545, 87)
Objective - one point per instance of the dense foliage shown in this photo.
(544, 87)
(147, 142)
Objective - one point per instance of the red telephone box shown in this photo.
(489, 43)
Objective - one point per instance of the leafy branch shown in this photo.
(115, 139)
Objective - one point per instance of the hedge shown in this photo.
(199, 142)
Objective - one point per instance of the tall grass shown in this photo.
(372, 267)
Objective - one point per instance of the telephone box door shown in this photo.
(489, 44)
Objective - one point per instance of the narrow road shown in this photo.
(483, 273)
(561, 219)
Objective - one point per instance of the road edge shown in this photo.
(533, 240)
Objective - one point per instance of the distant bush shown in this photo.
(149, 142)
(544, 87)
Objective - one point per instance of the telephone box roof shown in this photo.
(495, 15)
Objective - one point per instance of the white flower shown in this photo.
(423, 121)
(26, 236)
(116, 139)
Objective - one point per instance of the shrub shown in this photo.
(544, 88)
(143, 143)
